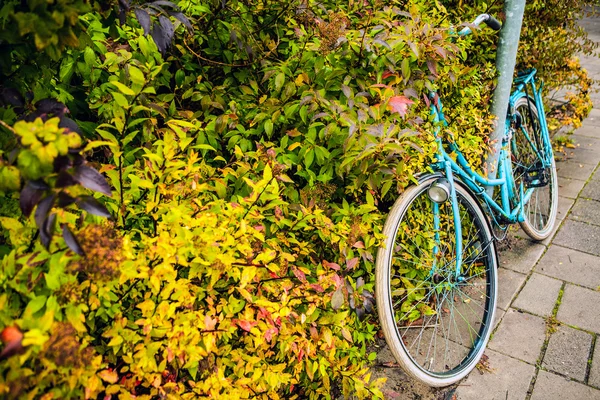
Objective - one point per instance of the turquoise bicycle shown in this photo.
(436, 275)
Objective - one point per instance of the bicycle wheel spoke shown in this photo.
(439, 319)
(531, 169)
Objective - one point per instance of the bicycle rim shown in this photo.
(436, 326)
(527, 147)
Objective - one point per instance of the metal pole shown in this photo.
(506, 59)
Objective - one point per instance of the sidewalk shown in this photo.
(546, 344)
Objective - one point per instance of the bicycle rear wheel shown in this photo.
(529, 151)
(436, 325)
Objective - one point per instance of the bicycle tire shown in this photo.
(541, 209)
(410, 217)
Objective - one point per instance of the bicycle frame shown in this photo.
(460, 168)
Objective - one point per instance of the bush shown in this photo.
(246, 154)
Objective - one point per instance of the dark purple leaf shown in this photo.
(164, 3)
(124, 4)
(11, 97)
(158, 35)
(183, 19)
(122, 16)
(92, 179)
(65, 179)
(51, 106)
(39, 184)
(71, 240)
(78, 160)
(69, 125)
(144, 19)
(43, 209)
(64, 200)
(168, 28)
(360, 312)
(47, 230)
(29, 197)
(93, 206)
(61, 163)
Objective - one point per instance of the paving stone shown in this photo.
(568, 351)
(578, 155)
(579, 307)
(498, 317)
(595, 369)
(592, 189)
(508, 379)
(564, 206)
(586, 142)
(549, 386)
(521, 256)
(520, 336)
(579, 236)
(574, 170)
(586, 210)
(570, 188)
(509, 283)
(539, 295)
(571, 266)
(593, 118)
(589, 130)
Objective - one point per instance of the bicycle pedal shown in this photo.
(536, 177)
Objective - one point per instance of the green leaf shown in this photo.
(89, 57)
(136, 76)
(35, 305)
(121, 100)
(279, 80)
(75, 317)
(309, 158)
(268, 127)
(122, 88)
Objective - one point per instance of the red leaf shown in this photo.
(270, 332)
(359, 245)
(245, 325)
(317, 287)
(387, 74)
(351, 264)
(299, 274)
(333, 266)
(400, 104)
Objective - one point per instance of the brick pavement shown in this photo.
(550, 326)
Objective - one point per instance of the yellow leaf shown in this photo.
(294, 146)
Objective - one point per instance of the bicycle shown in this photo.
(436, 275)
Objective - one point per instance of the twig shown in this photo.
(7, 126)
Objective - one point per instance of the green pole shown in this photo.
(506, 59)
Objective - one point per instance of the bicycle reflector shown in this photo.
(439, 191)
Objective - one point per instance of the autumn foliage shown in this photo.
(192, 192)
